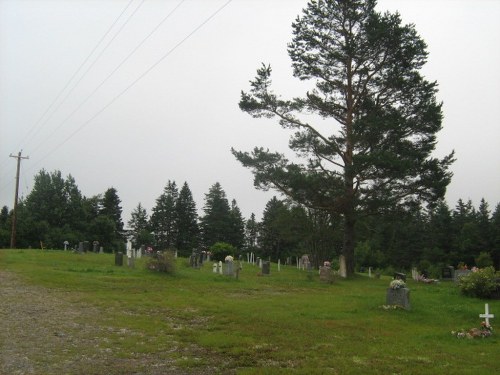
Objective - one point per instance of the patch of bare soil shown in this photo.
(42, 332)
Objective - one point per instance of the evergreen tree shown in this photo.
(164, 217)
(139, 227)
(251, 234)
(495, 235)
(110, 206)
(216, 223)
(382, 116)
(237, 232)
(187, 222)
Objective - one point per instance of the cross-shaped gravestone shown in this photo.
(486, 314)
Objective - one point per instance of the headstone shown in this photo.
(400, 276)
(119, 259)
(130, 262)
(279, 265)
(66, 243)
(215, 268)
(80, 247)
(139, 253)
(447, 273)
(326, 274)
(229, 268)
(487, 316)
(342, 269)
(266, 267)
(101, 250)
(369, 272)
(220, 267)
(458, 274)
(399, 297)
(414, 274)
(260, 263)
(95, 246)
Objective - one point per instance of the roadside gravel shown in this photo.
(43, 332)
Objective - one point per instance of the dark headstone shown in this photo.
(119, 259)
(447, 273)
(266, 267)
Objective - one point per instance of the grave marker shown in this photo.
(487, 316)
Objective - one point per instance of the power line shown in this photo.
(84, 74)
(71, 79)
(116, 97)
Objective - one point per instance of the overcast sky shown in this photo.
(131, 94)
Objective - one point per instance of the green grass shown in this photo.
(280, 324)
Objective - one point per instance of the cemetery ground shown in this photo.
(65, 313)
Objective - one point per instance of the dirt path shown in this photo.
(42, 332)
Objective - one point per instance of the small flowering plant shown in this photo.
(397, 284)
(485, 330)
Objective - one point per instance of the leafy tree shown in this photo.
(216, 223)
(381, 117)
(5, 230)
(139, 227)
(164, 217)
(187, 221)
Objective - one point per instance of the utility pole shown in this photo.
(14, 215)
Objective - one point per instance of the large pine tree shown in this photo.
(377, 117)
(164, 217)
(187, 222)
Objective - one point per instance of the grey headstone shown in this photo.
(398, 297)
(326, 275)
(266, 267)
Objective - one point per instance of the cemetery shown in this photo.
(242, 315)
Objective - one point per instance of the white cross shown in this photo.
(486, 314)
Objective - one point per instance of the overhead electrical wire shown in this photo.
(81, 78)
(25, 138)
(133, 83)
(71, 79)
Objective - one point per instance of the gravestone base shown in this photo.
(399, 297)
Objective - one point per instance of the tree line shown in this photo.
(55, 211)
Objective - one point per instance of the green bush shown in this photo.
(162, 262)
(482, 283)
(221, 250)
(484, 260)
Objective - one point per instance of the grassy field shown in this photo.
(285, 323)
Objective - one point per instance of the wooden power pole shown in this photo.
(14, 215)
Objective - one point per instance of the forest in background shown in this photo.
(429, 238)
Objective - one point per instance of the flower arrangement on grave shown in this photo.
(229, 258)
(485, 330)
(397, 284)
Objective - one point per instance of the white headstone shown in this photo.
(487, 316)
(215, 268)
(139, 253)
(343, 269)
(279, 265)
(369, 272)
(220, 267)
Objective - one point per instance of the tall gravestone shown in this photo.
(342, 265)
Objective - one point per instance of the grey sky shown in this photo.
(170, 110)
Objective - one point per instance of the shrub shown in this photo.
(221, 250)
(484, 260)
(162, 262)
(482, 283)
